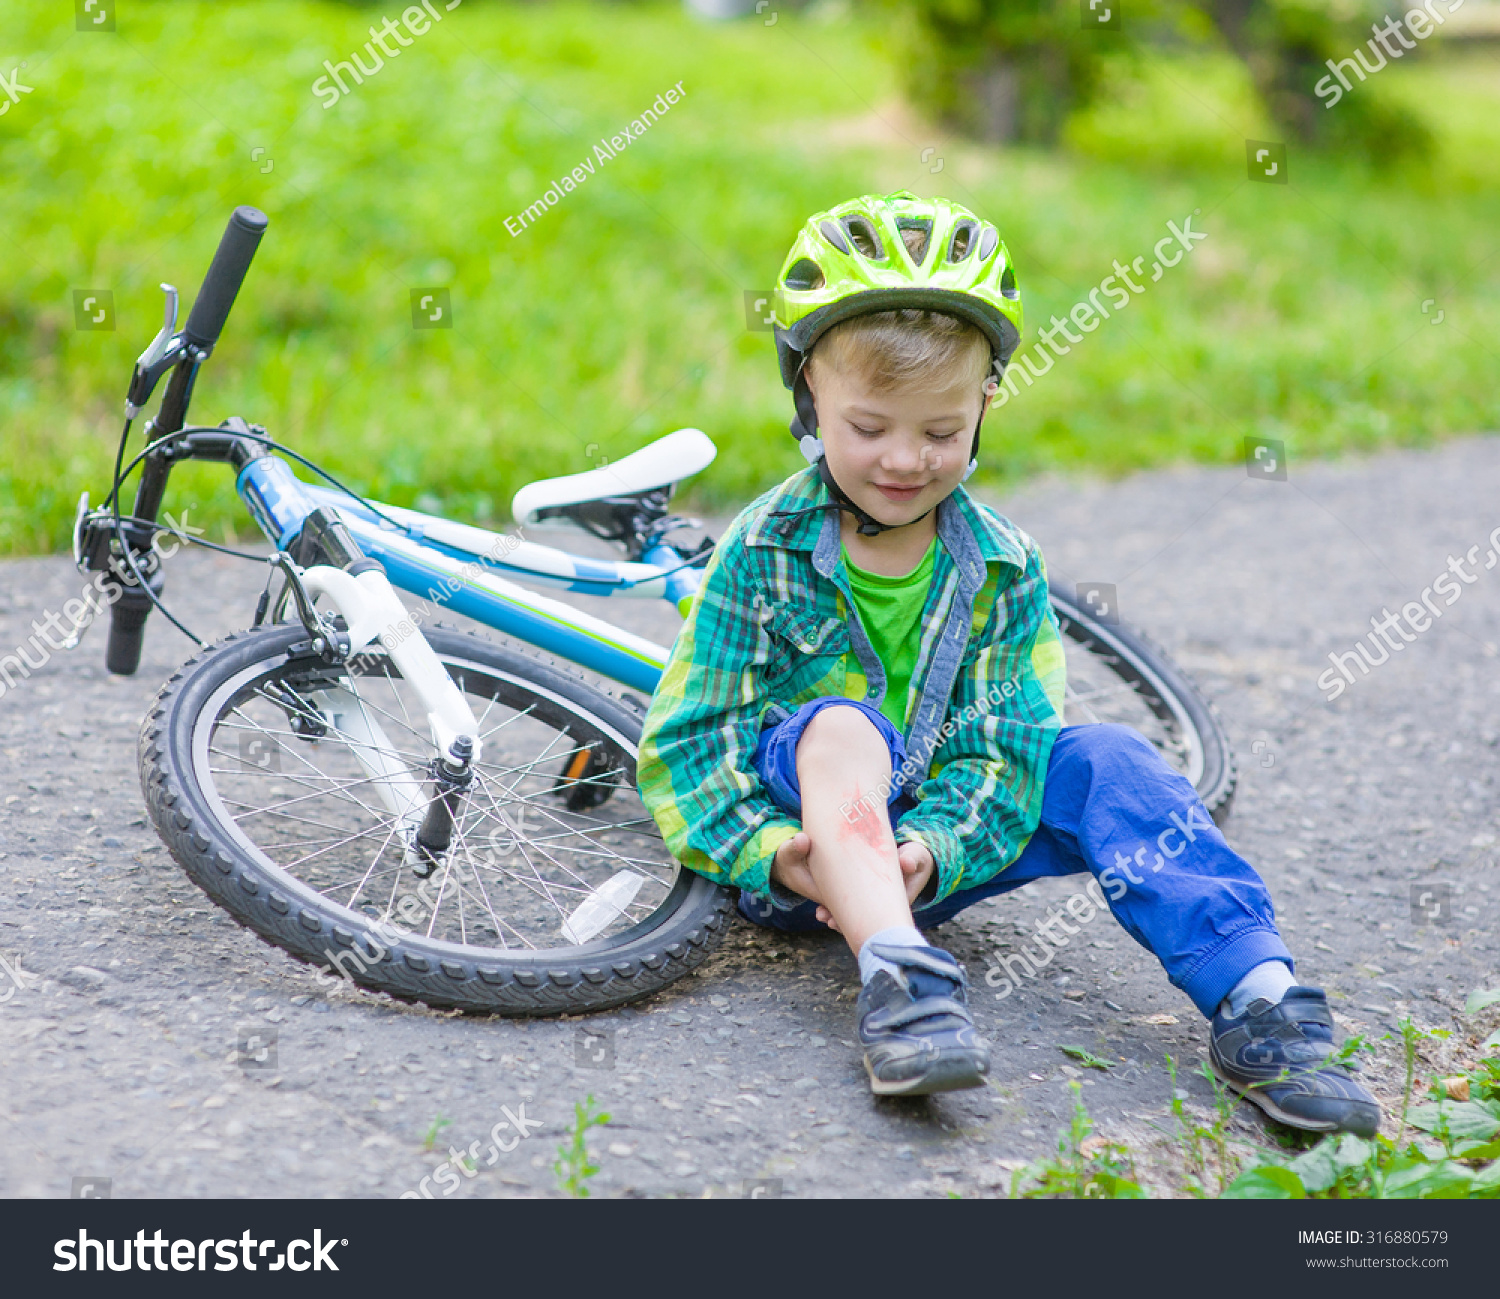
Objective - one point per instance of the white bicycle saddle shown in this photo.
(658, 464)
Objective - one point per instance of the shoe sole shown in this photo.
(946, 1075)
(1257, 1097)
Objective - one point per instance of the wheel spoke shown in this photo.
(519, 862)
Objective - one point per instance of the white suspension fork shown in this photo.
(373, 611)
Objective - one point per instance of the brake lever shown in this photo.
(161, 354)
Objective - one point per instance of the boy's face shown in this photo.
(896, 453)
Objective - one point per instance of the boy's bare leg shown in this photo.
(851, 865)
(917, 1035)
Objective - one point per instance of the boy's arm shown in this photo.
(984, 801)
(695, 769)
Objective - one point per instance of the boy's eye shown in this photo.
(868, 432)
(944, 437)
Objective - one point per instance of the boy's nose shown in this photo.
(903, 460)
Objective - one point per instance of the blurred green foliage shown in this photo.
(1005, 70)
(1287, 46)
(619, 314)
(1001, 70)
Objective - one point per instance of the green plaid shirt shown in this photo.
(774, 625)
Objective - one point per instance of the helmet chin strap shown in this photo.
(804, 428)
(869, 526)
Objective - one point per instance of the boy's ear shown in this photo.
(991, 387)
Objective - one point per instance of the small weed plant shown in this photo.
(573, 1168)
(1086, 1167)
(1447, 1142)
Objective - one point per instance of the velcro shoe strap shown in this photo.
(922, 959)
(1308, 1011)
(926, 1008)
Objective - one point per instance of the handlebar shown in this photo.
(210, 310)
(127, 628)
(225, 275)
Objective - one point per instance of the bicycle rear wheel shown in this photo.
(1115, 674)
(269, 772)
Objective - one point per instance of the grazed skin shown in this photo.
(851, 868)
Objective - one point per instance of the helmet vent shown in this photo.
(988, 242)
(804, 276)
(916, 235)
(962, 243)
(834, 235)
(1008, 284)
(862, 235)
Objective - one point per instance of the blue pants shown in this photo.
(1111, 806)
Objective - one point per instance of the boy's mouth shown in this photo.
(895, 492)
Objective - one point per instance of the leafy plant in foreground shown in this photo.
(1454, 1152)
(1086, 1167)
(573, 1168)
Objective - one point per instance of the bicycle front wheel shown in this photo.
(273, 776)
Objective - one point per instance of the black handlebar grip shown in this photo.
(225, 275)
(127, 632)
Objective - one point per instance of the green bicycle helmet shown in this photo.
(854, 259)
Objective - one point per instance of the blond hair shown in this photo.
(890, 349)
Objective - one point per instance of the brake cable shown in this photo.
(122, 475)
(125, 551)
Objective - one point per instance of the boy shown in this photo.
(861, 722)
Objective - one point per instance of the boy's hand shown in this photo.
(789, 867)
(917, 865)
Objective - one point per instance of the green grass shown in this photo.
(619, 316)
(573, 1167)
(1445, 1147)
(1085, 1167)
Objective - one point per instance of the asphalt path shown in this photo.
(125, 994)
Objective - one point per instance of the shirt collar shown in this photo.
(996, 537)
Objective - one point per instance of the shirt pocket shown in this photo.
(805, 647)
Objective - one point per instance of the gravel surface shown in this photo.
(126, 995)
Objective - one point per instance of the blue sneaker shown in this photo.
(916, 1030)
(1293, 1037)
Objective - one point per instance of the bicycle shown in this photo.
(422, 810)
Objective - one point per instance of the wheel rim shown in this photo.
(522, 862)
(1109, 683)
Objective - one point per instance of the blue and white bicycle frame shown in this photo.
(471, 571)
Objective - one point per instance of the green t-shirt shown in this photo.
(890, 608)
